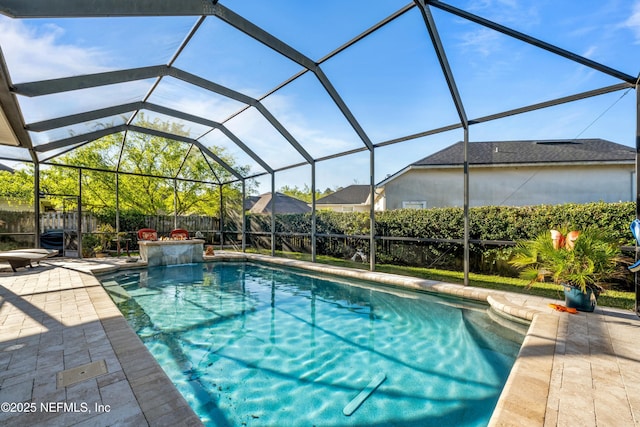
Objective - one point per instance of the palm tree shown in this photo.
(585, 263)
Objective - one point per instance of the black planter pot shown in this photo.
(581, 301)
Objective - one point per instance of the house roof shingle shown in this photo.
(351, 195)
(284, 204)
(547, 151)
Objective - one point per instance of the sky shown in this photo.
(391, 80)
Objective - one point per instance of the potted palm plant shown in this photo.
(105, 235)
(581, 262)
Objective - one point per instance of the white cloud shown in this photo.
(590, 51)
(38, 54)
(483, 41)
(507, 12)
(633, 22)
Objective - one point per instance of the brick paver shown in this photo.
(57, 317)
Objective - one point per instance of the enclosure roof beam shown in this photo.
(46, 87)
(200, 120)
(63, 152)
(135, 106)
(533, 41)
(77, 139)
(342, 106)
(181, 138)
(73, 119)
(66, 84)
(173, 59)
(229, 93)
(146, 175)
(104, 8)
(444, 63)
(184, 160)
(210, 86)
(554, 102)
(513, 112)
(289, 52)
(331, 54)
(206, 159)
(244, 148)
(283, 131)
(257, 33)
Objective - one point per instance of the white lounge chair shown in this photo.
(24, 257)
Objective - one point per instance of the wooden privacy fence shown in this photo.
(12, 222)
(163, 224)
(67, 220)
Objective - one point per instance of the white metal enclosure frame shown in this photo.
(20, 134)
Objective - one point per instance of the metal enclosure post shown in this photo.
(118, 208)
(372, 213)
(273, 214)
(221, 187)
(36, 203)
(244, 216)
(466, 204)
(175, 203)
(313, 211)
(637, 290)
(79, 223)
(457, 100)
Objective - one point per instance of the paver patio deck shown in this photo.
(573, 369)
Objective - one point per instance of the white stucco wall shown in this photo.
(343, 208)
(513, 186)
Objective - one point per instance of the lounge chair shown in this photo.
(47, 252)
(24, 257)
(179, 233)
(147, 234)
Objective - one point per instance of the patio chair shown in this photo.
(179, 233)
(147, 234)
(24, 257)
(48, 253)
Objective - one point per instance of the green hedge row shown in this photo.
(486, 223)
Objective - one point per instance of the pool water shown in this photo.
(253, 345)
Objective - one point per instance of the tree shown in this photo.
(149, 156)
(305, 193)
(17, 185)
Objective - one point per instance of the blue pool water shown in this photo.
(253, 345)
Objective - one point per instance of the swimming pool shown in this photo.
(248, 344)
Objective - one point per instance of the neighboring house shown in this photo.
(284, 204)
(249, 201)
(354, 198)
(516, 173)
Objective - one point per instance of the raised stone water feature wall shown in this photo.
(169, 252)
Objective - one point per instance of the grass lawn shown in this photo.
(610, 298)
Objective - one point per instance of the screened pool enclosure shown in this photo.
(297, 93)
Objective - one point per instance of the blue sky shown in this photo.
(390, 80)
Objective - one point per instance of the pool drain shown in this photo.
(81, 373)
